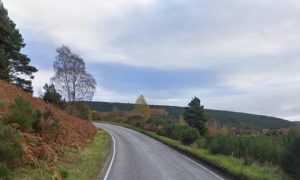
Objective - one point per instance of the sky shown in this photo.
(234, 55)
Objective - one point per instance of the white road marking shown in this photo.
(181, 155)
(112, 159)
(114, 151)
(197, 164)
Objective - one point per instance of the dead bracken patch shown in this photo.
(60, 131)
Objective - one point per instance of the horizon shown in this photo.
(235, 56)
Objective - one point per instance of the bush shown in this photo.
(188, 135)
(290, 161)
(21, 113)
(224, 144)
(263, 149)
(135, 120)
(11, 151)
(5, 172)
(201, 142)
(64, 173)
(260, 148)
(171, 131)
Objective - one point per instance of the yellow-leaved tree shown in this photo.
(142, 107)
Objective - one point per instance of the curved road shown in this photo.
(139, 157)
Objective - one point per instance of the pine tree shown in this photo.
(51, 95)
(14, 65)
(194, 115)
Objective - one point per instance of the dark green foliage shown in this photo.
(227, 118)
(224, 144)
(52, 96)
(292, 134)
(64, 173)
(21, 113)
(170, 131)
(5, 172)
(247, 121)
(135, 120)
(290, 161)
(188, 135)
(11, 151)
(252, 148)
(194, 115)
(263, 149)
(13, 63)
(37, 120)
(201, 142)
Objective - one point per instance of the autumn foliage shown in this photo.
(55, 131)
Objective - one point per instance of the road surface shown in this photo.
(139, 157)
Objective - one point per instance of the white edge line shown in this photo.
(193, 161)
(114, 151)
(112, 159)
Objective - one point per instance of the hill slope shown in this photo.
(239, 120)
(69, 132)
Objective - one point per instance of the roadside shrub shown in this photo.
(135, 120)
(201, 142)
(5, 172)
(188, 135)
(290, 161)
(263, 149)
(153, 123)
(21, 113)
(252, 148)
(170, 131)
(292, 134)
(11, 151)
(226, 144)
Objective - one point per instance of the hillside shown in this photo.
(239, 120)
(57, 132)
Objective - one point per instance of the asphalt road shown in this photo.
(139, 157)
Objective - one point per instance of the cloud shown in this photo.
(148, 32)
(41, 77)
(235, 55)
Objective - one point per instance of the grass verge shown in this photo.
(82, 164)
(230, 165)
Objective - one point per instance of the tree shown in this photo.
(14, 66)
(142, 107)
(51, 95)
(71, 78)
(194, 115)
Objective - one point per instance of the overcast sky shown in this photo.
(234, 55)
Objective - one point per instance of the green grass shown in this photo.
(84, 164)
(228, 164)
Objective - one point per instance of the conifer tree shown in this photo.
(194, 115)
(14, 66)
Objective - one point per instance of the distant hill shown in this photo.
(297, 122)
(237, 119)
